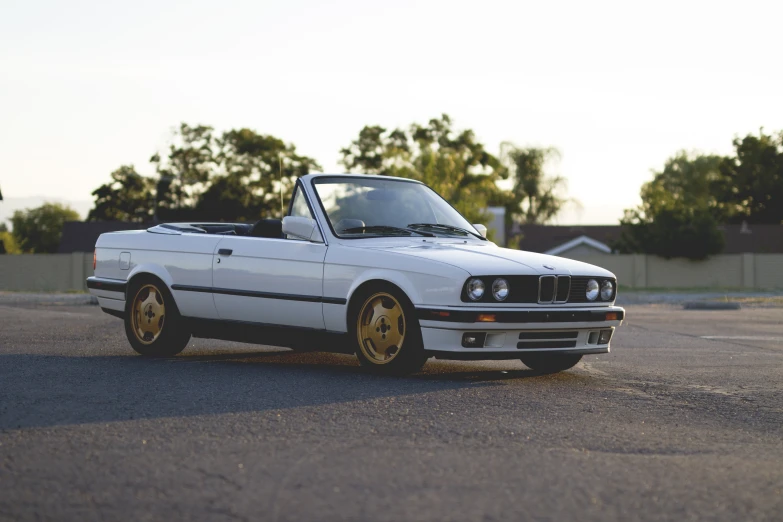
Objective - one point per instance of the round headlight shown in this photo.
(475, 289)
(500, 289)
(591, 293)
(607, 291)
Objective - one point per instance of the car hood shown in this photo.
(489, 259)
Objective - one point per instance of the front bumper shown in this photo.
(508, 333)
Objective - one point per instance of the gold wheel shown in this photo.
(381, 328)
(148, 314)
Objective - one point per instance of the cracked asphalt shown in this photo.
(669, 426)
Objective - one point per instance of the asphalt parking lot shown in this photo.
(682, 421)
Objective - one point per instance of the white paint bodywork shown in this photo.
(431, 271)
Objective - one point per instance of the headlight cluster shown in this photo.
(475, 289)
(606, 290)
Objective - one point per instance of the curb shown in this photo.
(711, 305)
(48, 299)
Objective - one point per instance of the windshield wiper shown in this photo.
(450, 228)
(385, 228)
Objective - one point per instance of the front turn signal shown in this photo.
(486, 318)
(611, 316)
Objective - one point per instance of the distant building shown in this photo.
(80, 236)
(598, 239)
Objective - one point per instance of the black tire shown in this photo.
(173, 334)
(405, 359)
(550, 362)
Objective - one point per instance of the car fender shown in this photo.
(152, 269)
(396, 278)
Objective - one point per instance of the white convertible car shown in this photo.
(377, 266)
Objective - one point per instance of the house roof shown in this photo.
(81, 236)
(759, 239)
(544, 238)
(581, 240)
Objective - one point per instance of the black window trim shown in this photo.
(300, 185)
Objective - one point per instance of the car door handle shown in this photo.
(225, 252)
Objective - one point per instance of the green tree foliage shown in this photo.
(452, 162)
(680, 212)
(238, 175)
(184, 173)
(535, 198)
(264, 165)
(127, 197)
(8, 241)
(752, 181)
(673, 232)
(38, 230)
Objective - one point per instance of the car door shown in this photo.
(270, 281)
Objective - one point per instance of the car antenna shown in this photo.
(280, 160)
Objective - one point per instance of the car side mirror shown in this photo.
(301, 228)
(481, 230)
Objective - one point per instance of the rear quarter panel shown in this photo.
(176, 259)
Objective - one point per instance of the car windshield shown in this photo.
(361, 207)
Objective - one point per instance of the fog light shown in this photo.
(605, 337)
(473, 339)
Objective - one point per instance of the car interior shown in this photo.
(269, 228)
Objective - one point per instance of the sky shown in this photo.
(617, 87)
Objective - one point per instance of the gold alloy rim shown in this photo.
(148, 314)
(380, 328)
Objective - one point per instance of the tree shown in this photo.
(535, 198)
(38, 230)
(236, 176)
(680, 213)
(752, 181)
(674, 232)
(452, 162)
(127, 197)
(258, 168)
(184, 173)
(688, 180)
(9, 245)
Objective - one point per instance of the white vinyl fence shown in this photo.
(67, 272)
(748, 271)
(45, 272)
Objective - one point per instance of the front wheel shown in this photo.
(152, 321)
(550, 362)
(386, 332)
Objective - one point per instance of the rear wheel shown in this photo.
(152, 321)
(386, 331)
(550, 362)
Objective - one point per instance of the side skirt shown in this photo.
(115, 313)
(300, 339)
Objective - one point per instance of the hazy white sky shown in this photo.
(617, 86)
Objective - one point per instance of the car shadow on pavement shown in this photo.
(39, 390)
